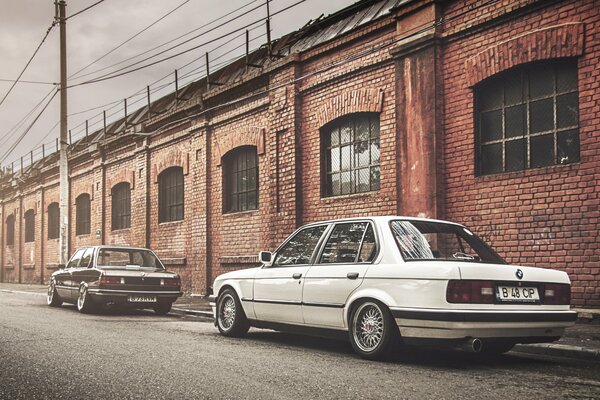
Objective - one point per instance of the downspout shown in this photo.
(21, 239)
(3, 250)
(103, 200)
(208, 228)
(148, 183)
(41, 236)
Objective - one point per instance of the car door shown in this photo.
(278, 288)
(83, 272)
(348, 252)
(63, 279)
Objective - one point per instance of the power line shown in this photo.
(130, 39)
(85, 9)
(28, 62)
(23, 81)
(116, 75)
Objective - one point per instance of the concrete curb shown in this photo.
(559, 350)
(22, 292)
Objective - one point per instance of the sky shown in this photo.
(99, 30)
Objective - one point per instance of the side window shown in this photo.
(86, 260)
(300, 248)
(350, 243)
(74, 262)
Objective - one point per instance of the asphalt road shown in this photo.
(50, 353)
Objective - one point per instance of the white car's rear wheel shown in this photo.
(373, 331)
(231, 319)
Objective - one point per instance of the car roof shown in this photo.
(382, 219)
(118, 247)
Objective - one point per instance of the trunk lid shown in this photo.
(510, 273)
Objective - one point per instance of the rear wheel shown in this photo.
(54, 299)
(163, 308)
(373, 331)
(231, 319)
(84, 303)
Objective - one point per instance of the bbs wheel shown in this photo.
(231, 319)
(54, 299)
(163, 308)
(373, 331)
(84, 303)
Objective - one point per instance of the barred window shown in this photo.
(528, 117)
(240, 180)
(121, 206)
(82, 214)
(170, 195)
(10, 230)
(351, 154)
(53, 221)
(29, 226)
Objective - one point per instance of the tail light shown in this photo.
(173, 282)
(475, 292)
(557, 293)
(112, 280)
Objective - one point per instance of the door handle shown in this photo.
(297, 275)
(352, 275)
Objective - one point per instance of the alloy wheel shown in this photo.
(368, 327)
(227, 312)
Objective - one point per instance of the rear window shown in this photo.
(120, 258)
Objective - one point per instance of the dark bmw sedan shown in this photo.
(109, 276)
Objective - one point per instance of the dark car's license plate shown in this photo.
(141, 299)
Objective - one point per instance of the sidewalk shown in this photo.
(581, 341)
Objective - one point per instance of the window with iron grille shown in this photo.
(10, 230)
(170, 195)
(29, 226)
(528, 117)
(351, 154)
(82, 214)
(53, 221)
(240, 180)
(121, 206)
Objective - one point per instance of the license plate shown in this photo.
(518, 293)
(141, 299)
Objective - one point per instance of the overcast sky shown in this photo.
(91, 34)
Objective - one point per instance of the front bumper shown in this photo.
(121, 296)
(458, 324)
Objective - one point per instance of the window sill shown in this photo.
(82, 235)
(10, 246)
(333, 199)
(9, 267)
(121, 230)
(240, 213)
(174, 261)
(53, 239)
(52, 266)
(28, 266)
(525, 173)
(167, 223)
(32, 241)
(239, 259)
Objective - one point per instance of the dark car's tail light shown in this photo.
(465, 291)
(175, 282)
(111, 280)
(557, 293)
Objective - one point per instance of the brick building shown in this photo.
(482, 112)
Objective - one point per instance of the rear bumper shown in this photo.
(121, 296)
(450, 324)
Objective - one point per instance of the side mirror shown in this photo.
(61, 266)
(266, 257)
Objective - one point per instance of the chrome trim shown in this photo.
(133, 291)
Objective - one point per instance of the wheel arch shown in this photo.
(362, 295)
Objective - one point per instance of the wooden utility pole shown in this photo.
(63, 163)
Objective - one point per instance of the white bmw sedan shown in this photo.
(384, 281)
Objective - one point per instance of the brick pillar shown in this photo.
(418, 113)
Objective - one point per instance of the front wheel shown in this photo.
(84, 303)
(163, 308)
(373, 331)
(54, 299)
(231, 319)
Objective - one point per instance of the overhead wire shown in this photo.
(84, 10)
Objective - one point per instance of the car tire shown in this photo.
(231, 319)
(53, 299)
(84, 302)
(163, 308)
(373, 331)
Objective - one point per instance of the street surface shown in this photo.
(48, 353)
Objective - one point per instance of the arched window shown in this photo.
(527, 117)
(29, 226)
(82, 214)
(240, 180)
(53, 221)
(170, 195)
(10, 230)
(351, 154)
(121, 206)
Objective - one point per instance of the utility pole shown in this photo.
(63, 162)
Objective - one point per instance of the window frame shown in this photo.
(168, 187)
(330, 232)
(29, 226)
(10, 233)
(316, 250)
(53, 221)
(523, 73)
(326, 132)
(229, 161)
(83, 220)
(120, 206)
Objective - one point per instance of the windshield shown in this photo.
(425, 240)
(120, 258)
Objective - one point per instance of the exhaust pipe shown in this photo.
(473, 345)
